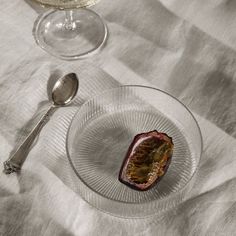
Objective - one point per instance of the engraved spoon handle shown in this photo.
(15, 162)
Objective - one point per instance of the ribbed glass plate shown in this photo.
(99, 137)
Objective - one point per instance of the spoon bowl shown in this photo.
(65, 89)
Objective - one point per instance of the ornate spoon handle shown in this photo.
(15, 162)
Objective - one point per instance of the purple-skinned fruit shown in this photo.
(147, 160)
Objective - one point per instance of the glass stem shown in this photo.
(69, 21)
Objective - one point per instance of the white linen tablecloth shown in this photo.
(148, 44)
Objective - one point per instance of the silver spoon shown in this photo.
(63, 92)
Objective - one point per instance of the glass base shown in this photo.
(84, 35)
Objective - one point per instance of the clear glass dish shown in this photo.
(100, 134)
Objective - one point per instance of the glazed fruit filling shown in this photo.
(148, 161)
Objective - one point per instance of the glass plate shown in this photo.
(100, 134)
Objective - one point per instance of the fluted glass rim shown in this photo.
(173, 195)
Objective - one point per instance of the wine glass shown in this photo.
(69, 30)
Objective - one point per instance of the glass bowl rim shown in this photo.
(172, 195)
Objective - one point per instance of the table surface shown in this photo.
(186, 48)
